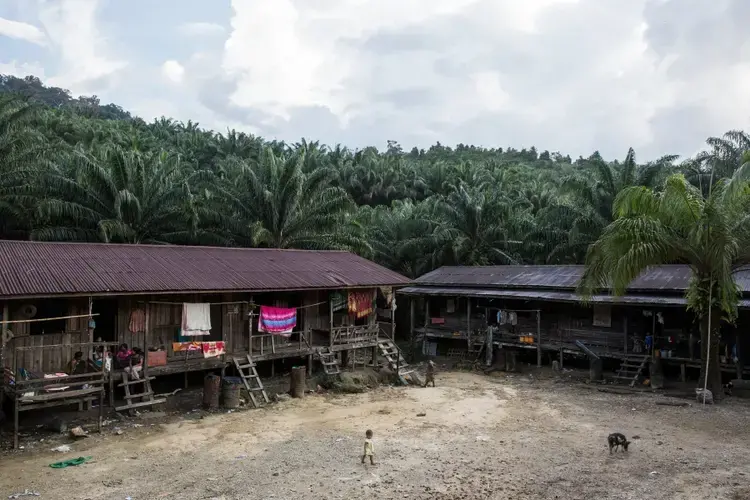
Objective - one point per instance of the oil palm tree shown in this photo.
(473, 226)
(399, 236)
(679, 225)
(117, 195)
(585, 208)
(275, 204)
(23, 153)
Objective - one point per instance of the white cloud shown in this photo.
(22, 70)
(201, 29)
(82, 50)
(568, 75)
(22, 31)
(173, 71)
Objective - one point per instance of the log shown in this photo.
(297, 383)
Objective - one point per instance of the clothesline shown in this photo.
(251, 313)
(209, 303)
(230, 303)
(34, 320)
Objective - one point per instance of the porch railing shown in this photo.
(352, 334)
(271, 344)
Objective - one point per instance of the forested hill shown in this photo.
(73, 169)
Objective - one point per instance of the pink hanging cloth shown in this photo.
(277, 320)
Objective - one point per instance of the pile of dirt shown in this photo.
(351, 382)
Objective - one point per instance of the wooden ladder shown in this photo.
(392, 354)
(146, 396)
(329, 361)
(631, 369)
(250, 379)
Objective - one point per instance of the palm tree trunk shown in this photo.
(714, 369)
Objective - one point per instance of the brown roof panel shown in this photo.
(670, 278)
(41, 268)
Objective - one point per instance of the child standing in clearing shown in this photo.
(369, 448)
(430, 376)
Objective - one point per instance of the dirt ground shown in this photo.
(483, 437)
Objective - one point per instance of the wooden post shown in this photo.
(145, 341)
(330, 321)
(653, 333)
(3, 329)
(411, 328)
(538, 339)
(625, 331)
(426, 322)
(297, 382)
(15, 403)
(309, 365)
(683, 377)
(468, 325)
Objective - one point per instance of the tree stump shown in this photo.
(297, 382)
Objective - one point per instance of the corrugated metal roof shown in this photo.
(40, 268)
(548, 296)
(671, 278)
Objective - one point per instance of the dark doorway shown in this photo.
(106, 321)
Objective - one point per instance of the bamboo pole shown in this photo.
(34, 320)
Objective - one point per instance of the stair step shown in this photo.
(135, 381)
(141, 395)
(623, 378)
(141, 404)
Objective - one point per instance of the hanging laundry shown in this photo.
(277, 320)
(186, 346)
(137, 321)
(500, 317)
(360, 303)
(212, 349)
(338, 301)
(387, 292)
(196, 319)
(450, 306)
(512, 318)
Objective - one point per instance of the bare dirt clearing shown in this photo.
(482, 438)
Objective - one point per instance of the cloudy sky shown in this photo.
(567, 75)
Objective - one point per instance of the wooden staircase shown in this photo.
(135, 400)
(329, 361)
(250, 379)
(392, 354)
(631, 368)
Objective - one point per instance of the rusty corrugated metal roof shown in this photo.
(41, 268)
(668, 279)
(547, 296)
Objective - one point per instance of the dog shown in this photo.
(616, 440)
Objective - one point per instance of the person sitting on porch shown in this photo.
(77, 365)
(129, 361)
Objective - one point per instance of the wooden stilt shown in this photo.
(309, 365)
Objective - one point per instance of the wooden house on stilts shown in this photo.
(186, 308)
